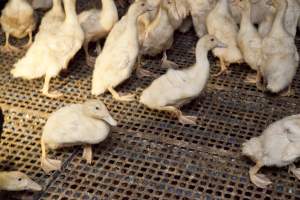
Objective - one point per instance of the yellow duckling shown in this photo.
(52, 49)
(76, 124)
(18, 20)
(116, 62)
(221, 24)
(96, 25)
(17, 181)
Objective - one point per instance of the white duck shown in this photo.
(18, 20)
(279, 145)
(160, 32)
(178, 87)
(52, 50)
(280, 58)
(249, 40)
(199, 10)
(116, 62)
(291, 19)
(76, 124)
(17, 181)
(221, 24)
(96, 25)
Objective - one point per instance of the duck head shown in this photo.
(96, 109)
(276, 3)
(244, 5)
(17, 181)
(140, 7)
(171, 7)
(253, 149)
(210, 42)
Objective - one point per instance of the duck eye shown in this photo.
(143, 4)
(97, 108)
(19, 179)
(212, 39)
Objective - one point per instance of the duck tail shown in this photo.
(24, 68)
(277, 86)
(98, 88)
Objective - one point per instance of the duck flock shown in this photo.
(260, 33)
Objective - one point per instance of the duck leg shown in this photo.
(184, 119)
(116, 96)
(251, 78)
(165, 63)
(8, 47)
(223, 68)
(294, 170)
(88, 153)
(140, 72)
(47, 164)
(29, 43)
(259, 180)
(45, 89)
(288, 93)
(90, 61)
(259, 84)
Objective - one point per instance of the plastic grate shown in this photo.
(149, 155)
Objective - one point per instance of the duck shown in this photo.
(178, 87)
(278, 146)
(17, 20)
(280, 57)
(41, 4)
(17, 181)
(96, 25)
(249, 40)
(221, 24)
(160, 32)
(260, 9)
(199, 10)
(52, 50)
(76, 124)
(291, 19)
(117, 60)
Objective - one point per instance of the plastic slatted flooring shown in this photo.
(149, 155)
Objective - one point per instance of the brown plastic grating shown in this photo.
(149, 155)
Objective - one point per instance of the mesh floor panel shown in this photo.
(150, 155)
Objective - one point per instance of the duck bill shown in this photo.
(34, 186)
(221, 45)
(269, 2)
(110, 120)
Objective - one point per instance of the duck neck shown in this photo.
(70, 9)
(278, 27)
(132, 20)
(202, 63)
(109, 9)
(223, 6)
(3, 181)
(246, 18)
(56, 7)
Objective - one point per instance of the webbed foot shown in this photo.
(49, 165)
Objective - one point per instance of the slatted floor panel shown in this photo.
(149, 155)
